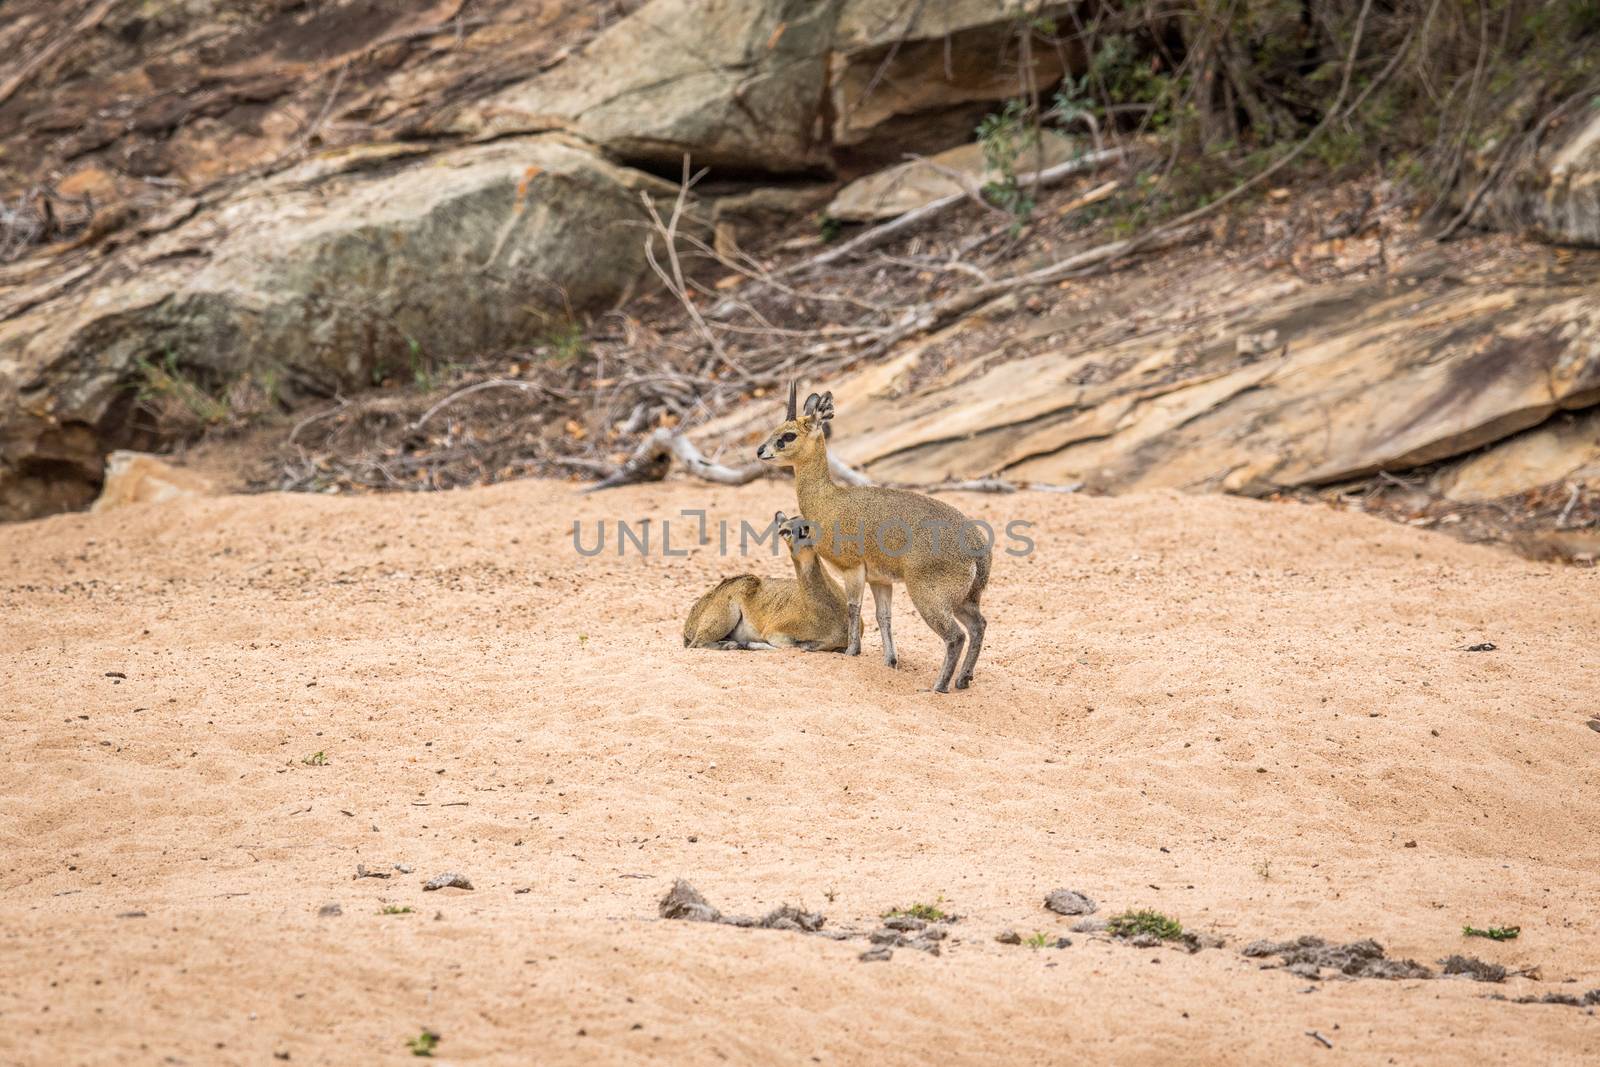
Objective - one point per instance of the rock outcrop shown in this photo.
(1282, 384)
(308, 243)
(358, 263)
(1556, 194)
(918, 76)
(907, 186)
(138, 478)
(734, 83)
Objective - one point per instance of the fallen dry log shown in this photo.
(653, 458)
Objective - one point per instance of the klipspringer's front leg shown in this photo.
(883, 598)
(855, 582)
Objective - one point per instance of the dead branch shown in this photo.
(653, 457)
(879, 234)
(650, 461)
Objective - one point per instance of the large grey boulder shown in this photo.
(357, 263)
(734, 83)
(782, 85)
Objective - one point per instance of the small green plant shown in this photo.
(1134, 923)
(583, 640)
(316, 759)
(563, 343)
(396, 909)
(1264, 870)
(930, 913)
(829, 228)
(424, 1043)
(1038, 940)
(1124, 75)
(421, 376)
(1005, 136)
(1493, 933)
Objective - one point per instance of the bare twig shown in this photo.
(492, 383)
(675, 283)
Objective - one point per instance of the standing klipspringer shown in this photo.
(870, 535)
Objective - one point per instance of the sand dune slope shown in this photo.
(1240, 714)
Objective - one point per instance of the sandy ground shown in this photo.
(1240, 714)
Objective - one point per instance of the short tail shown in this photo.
(980, 577)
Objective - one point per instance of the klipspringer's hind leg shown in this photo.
(970, 617)
(741, 646)
(937, 615)
(883, 598)
(714, 625)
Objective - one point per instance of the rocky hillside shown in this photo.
(222, 213)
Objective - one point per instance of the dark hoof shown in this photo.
(891, 662)
(941, 689)
(963, 681)
(852, 651)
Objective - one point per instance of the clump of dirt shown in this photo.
(789, 917)
(1590, 999)
(1308, 956)
(1070, 902)
(1474, 968)
(684, 902)
(907, 931)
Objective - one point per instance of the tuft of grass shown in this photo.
(424, 1043)
(1264, 870)
(1134, 923)
(316, 759)
(563, 343)
(930, 913)
(1493, 933)
(397, 909)
(165, 388)
(1038, 940)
